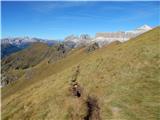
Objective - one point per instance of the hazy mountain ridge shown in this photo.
(11, 45)
(22, 40)
(7, 49)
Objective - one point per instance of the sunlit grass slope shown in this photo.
(124, 78)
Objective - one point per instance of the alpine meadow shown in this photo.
(111, 75)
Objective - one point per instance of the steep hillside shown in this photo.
(7, 49)
(15, 65)
(116, 82)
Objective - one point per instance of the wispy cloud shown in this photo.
(50, 6)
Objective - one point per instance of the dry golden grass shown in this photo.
(125, 79)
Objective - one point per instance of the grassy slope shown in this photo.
(13, 65)
(30, 56)
(124, 78)
(22, 62)
(42, 71)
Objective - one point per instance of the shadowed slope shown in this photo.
(15, 65)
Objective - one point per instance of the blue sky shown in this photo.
(56, 20)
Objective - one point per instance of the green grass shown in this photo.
(125, 78)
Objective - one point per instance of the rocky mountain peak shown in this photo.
(144, 27)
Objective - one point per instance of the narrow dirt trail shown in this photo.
(91, 103)
(93, 110)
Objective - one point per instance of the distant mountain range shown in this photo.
(25, 40)
(103, 38)
(11, 45)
